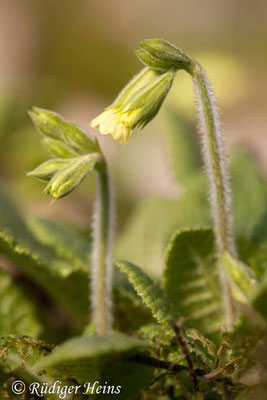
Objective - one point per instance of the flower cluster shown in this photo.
(141, 99)
(74, 153)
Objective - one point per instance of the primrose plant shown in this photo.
(141, 100)
(204, 289)
(74, 156)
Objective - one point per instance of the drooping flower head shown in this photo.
(141, 99)
(136, 106)
(114, 120)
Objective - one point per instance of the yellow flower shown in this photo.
(116, 123)
(135, 106)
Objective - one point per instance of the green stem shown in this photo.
(216, 166)
(101, 278)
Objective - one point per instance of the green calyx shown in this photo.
(161, 55)
(150, 98)
(59, 135)
(140, 80)
(58, 148)
(46, 170)
(66, 179)
(47, 122)
(74, 153)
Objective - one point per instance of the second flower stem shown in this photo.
(213, 149)
(101, 275)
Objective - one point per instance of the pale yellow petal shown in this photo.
(116, 123)
(126, 133)
(118, 132)
(96, 121)
(108, 125)
(101, 118)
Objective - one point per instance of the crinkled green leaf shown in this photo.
(247, 340)
(207, 344)
(18, 363)
(85, 351)
(130, 313)
(249, 195)
(60, 278)
(259, 296)
(191, 282)
(241, 275)
(247, 343)
(56, 258)
(153, 222)
(103, 358)
(67, 242)
(23, 346)
(157, 335)
(18, 314)
(152, 295)
(202, 350)
(254, 254)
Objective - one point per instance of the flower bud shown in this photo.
(66, 179)
(61, 138)
(78, 138)
(47, 122)
(59, 149)
(76, 154)
(46, 170)
(155, 64)
(157, 53)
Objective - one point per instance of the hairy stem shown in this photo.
(213, 149)
(101, 275)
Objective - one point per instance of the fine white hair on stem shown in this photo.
(109, 255)
(214, 155)
(94, 258)
(102, 254)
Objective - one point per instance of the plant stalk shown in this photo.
(102, 263)
(214, 154)
(186, 353)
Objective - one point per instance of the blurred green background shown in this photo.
(74, 57)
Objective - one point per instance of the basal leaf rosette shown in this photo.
(74, 153)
